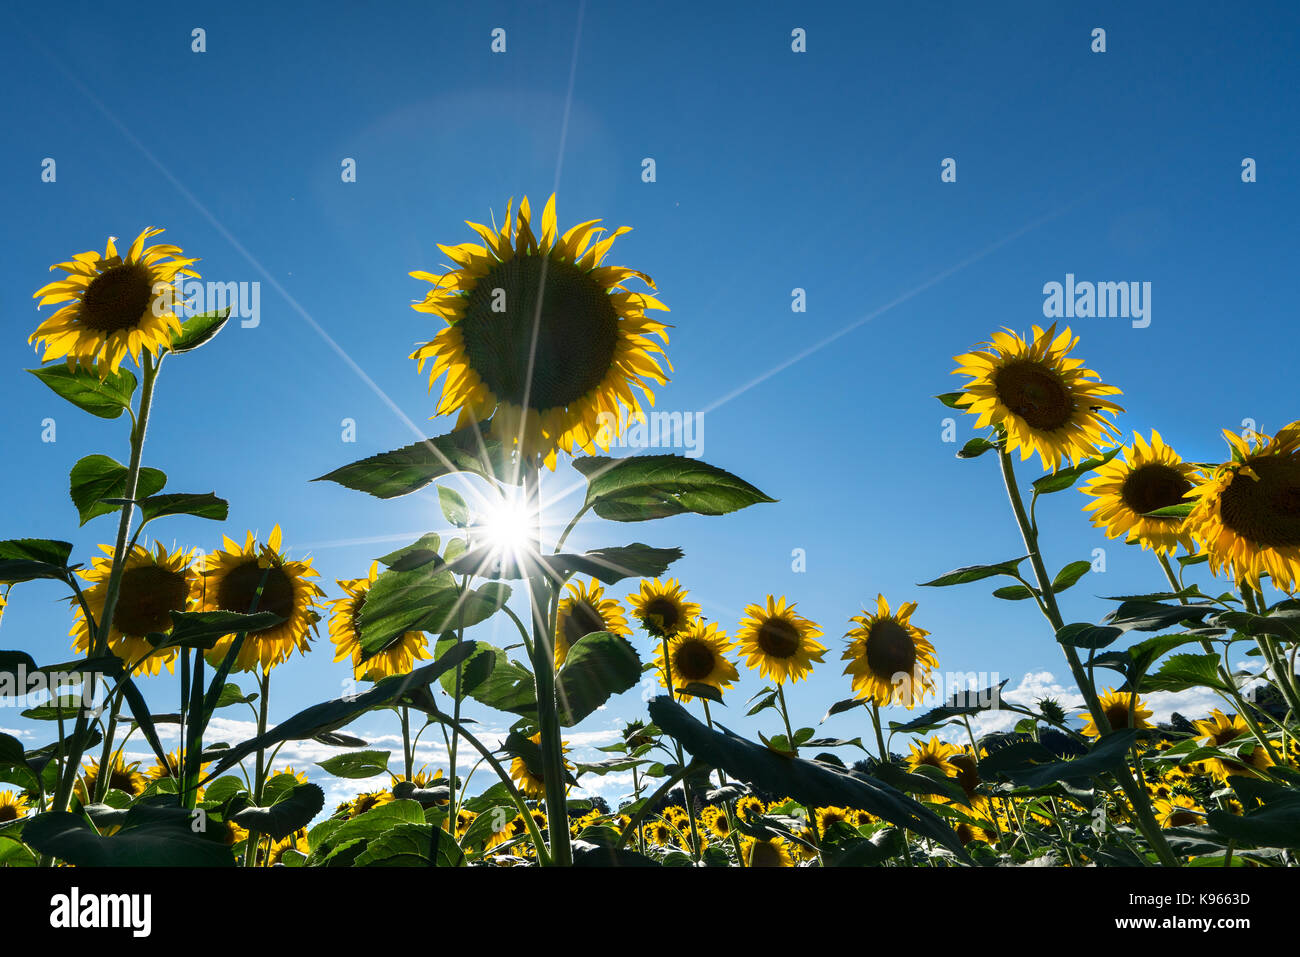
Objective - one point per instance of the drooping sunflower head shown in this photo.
(697, 655)
(121, 777)
(889, 658)
(662, 608)
(1123, 710)
(13, 805)
(153, 584)
(231, 579)
(1143, 478)
(774, 852)
(934, 754)
(542, 338)
(583, 610)
(530, 781)
(1219, 730)
(1247, 512)
(1044, 401)
(115, 305)
(781, 643)
(396, 658)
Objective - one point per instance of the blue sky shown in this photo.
(774, 170)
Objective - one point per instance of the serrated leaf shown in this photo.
(106, 398)
(408, 469)
(197, 330)
(974, 573)
(97, 477)
(200, 505)
(1065, 478)
(643, 487)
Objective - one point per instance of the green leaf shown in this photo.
(490, 677)
(1108, 753)
(839, 707)
(203, 629)
(1069, 575)
(950, 400)
(331, 840)
(408, 469)
(958, 704)
(1154, 616)
(1014, 592)
(27, 559)
(698, 690)
(357, 764)
(812, 783)
(974, 573)
(106, 398)
(1065, 478)
(97, 477)
(454, 509)
(197, 330)
(200, 505)
(1171, 511)
(232, 694)
(609, 565)
(599, 666)
(412, 845)
(642, 487)
(423, 599)
(417, 554)
(293, 810)
(1277, 824)
(148, 836)
(1083, 634)
(975, 448)
(1181, 672)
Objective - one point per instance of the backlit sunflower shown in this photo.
(659, 832)
(889, 658)
(153, 584)
(698, 655)
(122, 777)
(1141, 479)
(172, 769)
(828, 817)
(1045, 401)
(935, 754)
(779, 641)
(774, 852)
(750, 807)
(297, 841)
(396, 658)
(541, 338)
(530, 784)
(662, 608)
(1178, 811)
(1116, 705)
(1217, 731)
(230, 582)
(1247, 512)
(716, 820)
(368, 801)
(13, 805)
(115, 305)
(582, 611)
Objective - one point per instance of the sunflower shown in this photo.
(172, 769)
(828, 817)
(396, 658)
(749, 807)
(115, 306)
(779, 641)
(121, 777)
(529, 783)
(13, 805)
(968, 777)
(1043, 400)
(935, 754)
(774, 852)
(368, 801)
(297, 841)
(152, 586)
(583, 611)
(541, 338)
(698, 656)
(1219, 730)
(1143, 478)
(662, 608)
(464, 819)
(659, 832)
(1247, 512)
(889, 658)
(968, 832)
(1116, 705)
(1178, 811)
(717, 822)
(230, 582)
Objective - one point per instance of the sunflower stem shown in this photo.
(880, 738)
(1137, 796)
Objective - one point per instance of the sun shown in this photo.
(507, 526)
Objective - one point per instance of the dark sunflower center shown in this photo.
(666, 612)
(693, 661)
(582, 620)
(890, 649)
(1149, 487)
(8, 812)
(147, 594)
(356, 615)
(239, 586)
(764, 854)
(1035, 394)
(577, 330)
(1265, 511)
(1182, 819)
(117, 298)
(1117, 714)
(120, 780)
(778, 638)
(967, 772)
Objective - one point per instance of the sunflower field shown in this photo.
(540, 339)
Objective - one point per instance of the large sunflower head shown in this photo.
(1219, 730)
(779, 641)
(774, 852)
(1042, 399)
(532, 784)
(153, 585)
(889, 658)
(698, 655)
(662, 608)
(1123, 710)
(541, 338)
(934, 754)
(716, 820)
(397, 658)
(1247, 512)
(1143, 478)
(122, 777)
(231, 580)
(13, 805)
(584, 610)
(115, 305)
